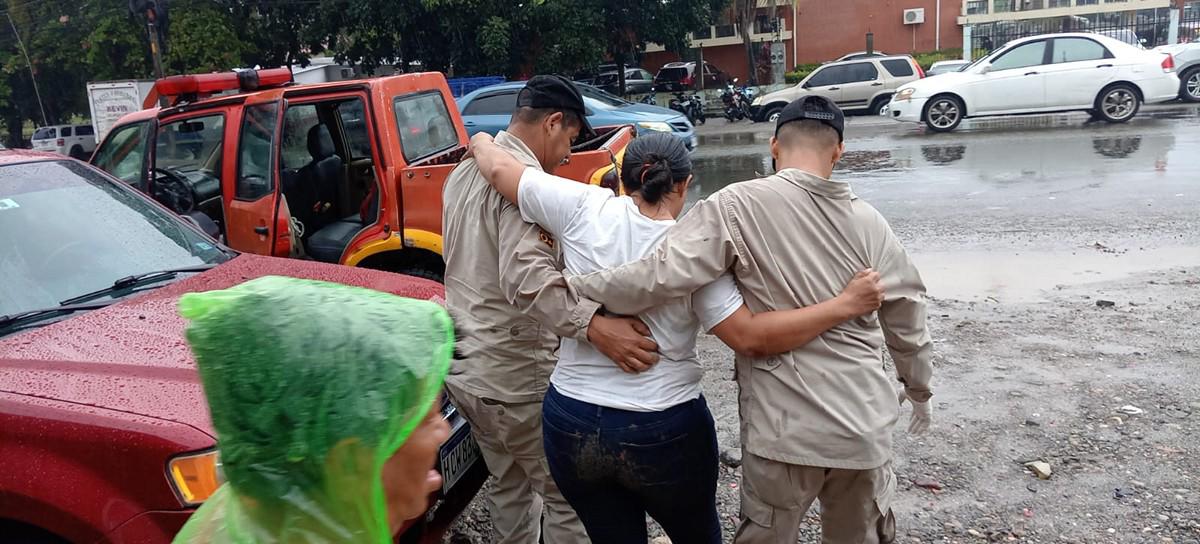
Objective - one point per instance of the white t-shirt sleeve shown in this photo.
(716, 301)
(553, 202)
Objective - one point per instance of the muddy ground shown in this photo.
(1063, 265)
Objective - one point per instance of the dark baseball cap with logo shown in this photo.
(557, 93)
(814, 108)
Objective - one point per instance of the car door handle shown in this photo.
(468, 123)
(877, 84)
(835, 88)
(1031, 73)
(1105, 66)
(262, 231)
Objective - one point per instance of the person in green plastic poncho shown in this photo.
(321, 397)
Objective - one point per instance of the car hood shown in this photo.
(942, 82)
(131, 357)
(783, 95)
(644, 112)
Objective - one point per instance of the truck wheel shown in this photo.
(1189, 85)
(1118, 103)
(943, 113)
(425, 272)
(77, 153)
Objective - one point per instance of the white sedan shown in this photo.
(1042, 74)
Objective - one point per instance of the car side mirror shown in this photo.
(986, 69)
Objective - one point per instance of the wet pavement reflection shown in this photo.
(1003, 206)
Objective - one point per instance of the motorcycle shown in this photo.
(737, 101)
(691, 107)
(650, 98)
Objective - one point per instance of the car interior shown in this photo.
(328, 175)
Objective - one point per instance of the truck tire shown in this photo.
(1118, 103)
(1189, 84)
(425, 272)
(77, 153)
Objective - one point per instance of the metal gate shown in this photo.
(1148, 27)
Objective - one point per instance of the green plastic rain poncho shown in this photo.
(311, 386)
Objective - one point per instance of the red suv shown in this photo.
(104, 431)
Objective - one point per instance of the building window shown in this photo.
(977, 7)
(1059, 4)
(725, 31)
(1086, 2)
(702, 34)
(1003, 6)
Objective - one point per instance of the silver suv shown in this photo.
(864, 85)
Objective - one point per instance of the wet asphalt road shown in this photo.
(1011, 208)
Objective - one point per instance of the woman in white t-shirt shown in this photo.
(622, 445)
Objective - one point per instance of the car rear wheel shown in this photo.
(878, 104)
(1189, 85)
(77, 153)
(1118, 103)
(943, 114)
(772, 115)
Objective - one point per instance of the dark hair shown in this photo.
(533, 116)
(654, 164)
(809, 133)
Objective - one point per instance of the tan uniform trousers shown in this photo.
(510, 438)
(855, 504)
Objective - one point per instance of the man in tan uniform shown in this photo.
(511, 304)
(816, 422)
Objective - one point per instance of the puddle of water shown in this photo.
(1031, 276)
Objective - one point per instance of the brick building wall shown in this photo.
(828, 29)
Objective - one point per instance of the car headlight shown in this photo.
(195, 476)
(757, 101)
(905, 94)
(657, 126)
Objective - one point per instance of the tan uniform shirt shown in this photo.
(793, 240)
(505, 288)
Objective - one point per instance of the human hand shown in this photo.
(480, 138)
(625, 340)
(922, 415)
(863, 295)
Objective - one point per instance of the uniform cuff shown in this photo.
(582, 315)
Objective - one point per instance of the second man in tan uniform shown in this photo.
(816, 422)
(511, 304)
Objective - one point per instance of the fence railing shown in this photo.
(1149, 28)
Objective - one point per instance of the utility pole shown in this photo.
(151, 9)
(32, 75)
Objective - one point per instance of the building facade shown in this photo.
(813, 31)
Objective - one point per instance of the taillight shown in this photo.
(1168, 64)
(920, 72)
(60, 142)
(687, 80)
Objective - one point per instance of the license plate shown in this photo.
(458, 455)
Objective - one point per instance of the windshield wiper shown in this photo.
(138, 279)
(8, 321)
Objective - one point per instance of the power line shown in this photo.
(32, 76)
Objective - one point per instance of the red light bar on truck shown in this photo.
(200, 85)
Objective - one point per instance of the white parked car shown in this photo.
(76, 141)
(1187, 65)
(1042, 74)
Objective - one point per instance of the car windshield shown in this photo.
(68, 230)
(610, 101)
(44, 133)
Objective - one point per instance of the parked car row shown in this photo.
(672, 77)
(863, 84)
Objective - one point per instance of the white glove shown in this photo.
(922, 415)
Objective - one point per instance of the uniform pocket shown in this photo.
(767, 365)
(886, 526)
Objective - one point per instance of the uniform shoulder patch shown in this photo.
(545, 237)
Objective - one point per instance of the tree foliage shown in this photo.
(72, 42)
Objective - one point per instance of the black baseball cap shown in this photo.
(816, 108)
(558, 93)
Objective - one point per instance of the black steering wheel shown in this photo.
(173, 191)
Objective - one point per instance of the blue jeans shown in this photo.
(615, 466)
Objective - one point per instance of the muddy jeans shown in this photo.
(615, 466)
(855, 504)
